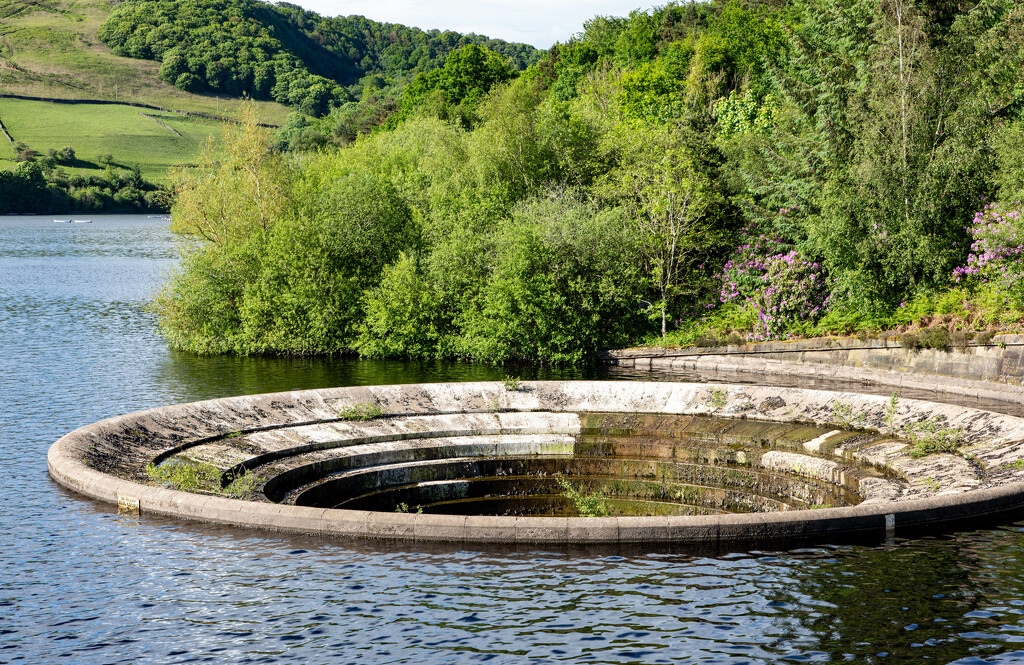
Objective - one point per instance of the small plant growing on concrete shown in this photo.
(243, 485)
(931, 483)
(403, 507)
(186, 475)
(511, 383)
(891, 408)
(587, 505)
(930, 436)
(192, 476)
(1018, 464)
(844, 415)
(360, 411)
(718, 398)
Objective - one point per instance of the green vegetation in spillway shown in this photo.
(128, 136)
(633, 464)
(679, 174)
(191, 476)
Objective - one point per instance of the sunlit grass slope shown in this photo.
(94, 130)
(49, 48)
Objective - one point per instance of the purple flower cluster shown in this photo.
(794, 290)
(743, 274)
(785, 286)
(997, 247)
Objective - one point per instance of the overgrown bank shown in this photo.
(761, 169)
(45, 188)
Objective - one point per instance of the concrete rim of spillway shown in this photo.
(984, 479)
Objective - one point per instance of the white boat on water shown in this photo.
(82, 221)
(62, 221)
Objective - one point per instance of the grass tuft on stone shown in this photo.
(191, 476)
(360, 411)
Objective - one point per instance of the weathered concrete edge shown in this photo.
(867, 521)
(873, 361)
(729, 365)
(876, 521)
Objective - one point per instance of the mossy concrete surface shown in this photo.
(847, 441)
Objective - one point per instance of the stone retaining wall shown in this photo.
(990, 372)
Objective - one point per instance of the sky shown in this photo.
(537, 22)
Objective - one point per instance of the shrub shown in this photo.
(931, 436)
(186, 475)
(937, 338)
(360, 411)
(997, 249)
(786, 287)
(587, 505)
(910, 341)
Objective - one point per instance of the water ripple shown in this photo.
(86, 585)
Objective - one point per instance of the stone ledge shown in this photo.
(996, 443)
(878, 360)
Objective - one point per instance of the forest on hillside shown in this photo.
(283, 52)
(752, 170)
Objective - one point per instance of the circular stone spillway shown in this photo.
(557, 463)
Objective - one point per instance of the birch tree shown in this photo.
(676, 210)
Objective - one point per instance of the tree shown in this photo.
(676, 209)
(237, 192)
(226, 208)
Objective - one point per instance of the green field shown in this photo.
(49, 48)
(99, 129)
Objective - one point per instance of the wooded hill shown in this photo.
(195, 59)
(700, 171)
(282, 52)
(160, 52)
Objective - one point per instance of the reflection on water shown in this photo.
(85, 585)
(232, 375)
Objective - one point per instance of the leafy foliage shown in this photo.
(40, 185)
(587, 505)
(280, 52)
(738, 171)
(192, 476)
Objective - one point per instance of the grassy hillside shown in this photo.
(153, 140)
(49, 48)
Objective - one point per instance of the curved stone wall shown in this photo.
(982, 372)
(810, 448)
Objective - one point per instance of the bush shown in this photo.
(786, 287)
(910, 341)
(563, 283)
(937, 338)
(997, 254)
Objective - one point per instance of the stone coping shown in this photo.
(812, 344)
(106, 461)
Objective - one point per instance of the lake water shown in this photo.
(82, 584)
